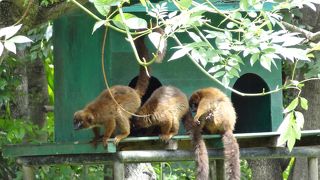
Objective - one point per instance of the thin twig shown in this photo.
(25, 13)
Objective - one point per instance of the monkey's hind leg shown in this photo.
(110, 126)
(124, 127)
(165, 126)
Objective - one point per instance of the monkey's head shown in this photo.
(194, 102)
(82, 119)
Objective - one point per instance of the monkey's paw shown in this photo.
(116, 141)
(105, 143)
(94, 143)
(165, 137)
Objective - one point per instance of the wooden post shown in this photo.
(313, 168)
(220, 169)
(118, 170)
(212, 170)
(85, 171)
(108, 170)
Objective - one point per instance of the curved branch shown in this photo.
(314, 37)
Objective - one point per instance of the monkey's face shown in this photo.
(82, 119)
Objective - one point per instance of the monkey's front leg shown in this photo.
(96, 132)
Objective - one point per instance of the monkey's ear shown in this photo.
(77, 113)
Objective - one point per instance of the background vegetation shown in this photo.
(19, 57)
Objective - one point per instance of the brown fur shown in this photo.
(215, 114)
(104, 112)
(166, 107)
(144, 78)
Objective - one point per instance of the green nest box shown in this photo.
(79, 79)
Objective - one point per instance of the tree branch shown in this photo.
(11, 12)
(53, 12)
(314, 37)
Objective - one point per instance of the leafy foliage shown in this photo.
(220, 48)
(9, 41)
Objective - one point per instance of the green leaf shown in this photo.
(254, 58)
(9, 31)
(237, 15)
(183, 4)
(132, 21)
(180, 53)
(157, 41)
(143, 2)
(284, 129)
(219, 74)
(252, 14)
(265, 62)
(10, 46)
(291, 141)
(194, 36)
(3, 84)
(97, 25)
(136, 23)
(304, 103)
(299, 119)
(225, 80)
(244, 5)
(294, 103)
(215, 68)
(234, 72)
(231, 25)
(20, 39)
(103, 6)
(1, 48)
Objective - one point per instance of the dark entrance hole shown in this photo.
(253, 113)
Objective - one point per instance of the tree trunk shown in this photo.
(311, 91)
(139, 171)
(38, 94)
(266, 169)
(20, 105)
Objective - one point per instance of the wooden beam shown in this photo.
(245, 140)
(165, 156)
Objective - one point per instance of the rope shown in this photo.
(106, 80)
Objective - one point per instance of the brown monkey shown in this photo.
(165, 108)
(214, 114)
(105, 112)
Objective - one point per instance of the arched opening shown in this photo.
(253, 113)
(153, 85)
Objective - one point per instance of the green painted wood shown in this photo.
(79, 79)
(153, 142)
(225, 6)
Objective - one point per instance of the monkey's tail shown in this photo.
(201, 154)
(144, 74)
(232, 155)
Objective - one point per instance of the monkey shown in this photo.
(165, 108)
(105, 112)
(214, 114)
